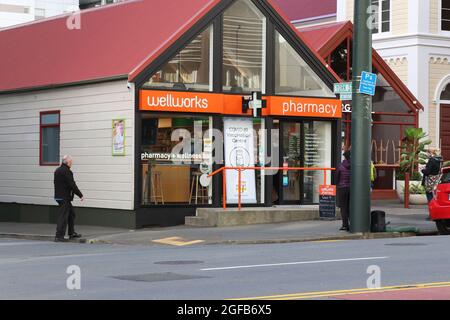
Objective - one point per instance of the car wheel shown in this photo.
(443, 226)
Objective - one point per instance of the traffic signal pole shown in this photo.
(360, 203)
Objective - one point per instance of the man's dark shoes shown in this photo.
(60, 239)
(75, 236)
(344, 229)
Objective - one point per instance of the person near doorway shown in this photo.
(65, 189)
(432, 172)
(343, 175)
(373, 175)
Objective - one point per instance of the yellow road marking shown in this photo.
(322, 294)
(177, 241)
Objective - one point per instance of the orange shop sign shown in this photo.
(170, 101)
(304, 107)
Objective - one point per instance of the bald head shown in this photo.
(67, 160)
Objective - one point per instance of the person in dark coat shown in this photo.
(343, 175)
(65, 190)
(432, 172)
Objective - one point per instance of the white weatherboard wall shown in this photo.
(86, 133)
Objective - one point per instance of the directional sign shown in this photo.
(346, 97)
(343, 88)
(368, 83)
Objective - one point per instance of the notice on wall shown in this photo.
(239, 152)
(118, 137)
(327, 202)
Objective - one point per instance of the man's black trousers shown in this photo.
(66, 217)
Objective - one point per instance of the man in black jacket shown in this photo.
(65, 189)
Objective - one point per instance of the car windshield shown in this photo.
(446, 177)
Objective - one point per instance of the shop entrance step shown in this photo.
(217, 217)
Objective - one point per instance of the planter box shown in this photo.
(414, 199)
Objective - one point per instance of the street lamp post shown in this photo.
(360, 203)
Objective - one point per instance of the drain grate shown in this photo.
(179, 262)
(406, 244)
(158, 277)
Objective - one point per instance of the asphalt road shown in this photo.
(317, 270)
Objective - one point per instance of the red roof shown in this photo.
(113, 41)
(305, 9)
(323, 37)
(117, 40)
(326, 38)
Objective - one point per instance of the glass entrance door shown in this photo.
(291, 157)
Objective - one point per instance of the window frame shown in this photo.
(379, 24)
(41, 131)
(446, 32)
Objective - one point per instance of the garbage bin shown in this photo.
(378, 223)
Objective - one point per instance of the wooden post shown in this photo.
(407, 178)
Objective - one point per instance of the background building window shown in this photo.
(49, 138)
(381, 9)
(445, 15)
(189, 70)
(39, 13)
(243, 48)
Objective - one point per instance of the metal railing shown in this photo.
(223, 170)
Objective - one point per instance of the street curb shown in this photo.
(357, 236)
(35, 237)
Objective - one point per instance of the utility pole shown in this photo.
(360, 203)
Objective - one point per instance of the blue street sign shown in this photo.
(368, 83)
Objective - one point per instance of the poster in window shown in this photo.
(118, 139)
(239, 152)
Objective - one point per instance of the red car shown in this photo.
(440, 205)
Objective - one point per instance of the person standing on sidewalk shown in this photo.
(432, 172)
(343, 175)
(65, 189)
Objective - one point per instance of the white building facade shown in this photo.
(13, 12)
(413, 36)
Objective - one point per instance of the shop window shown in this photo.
(243, 48)
(293, 76)
(317, 152)
(49, 138)
(381, 11)
(176, 157)
(445, 15)
(189, 70)
(445, 95)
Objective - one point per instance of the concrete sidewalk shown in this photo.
(267, 233)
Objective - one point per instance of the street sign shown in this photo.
(346, 97)
(368, 83)
(343, 88)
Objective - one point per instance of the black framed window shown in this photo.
(293, 76)
(190, 69)
(244, 48)
(445, 15)
(49, 138)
